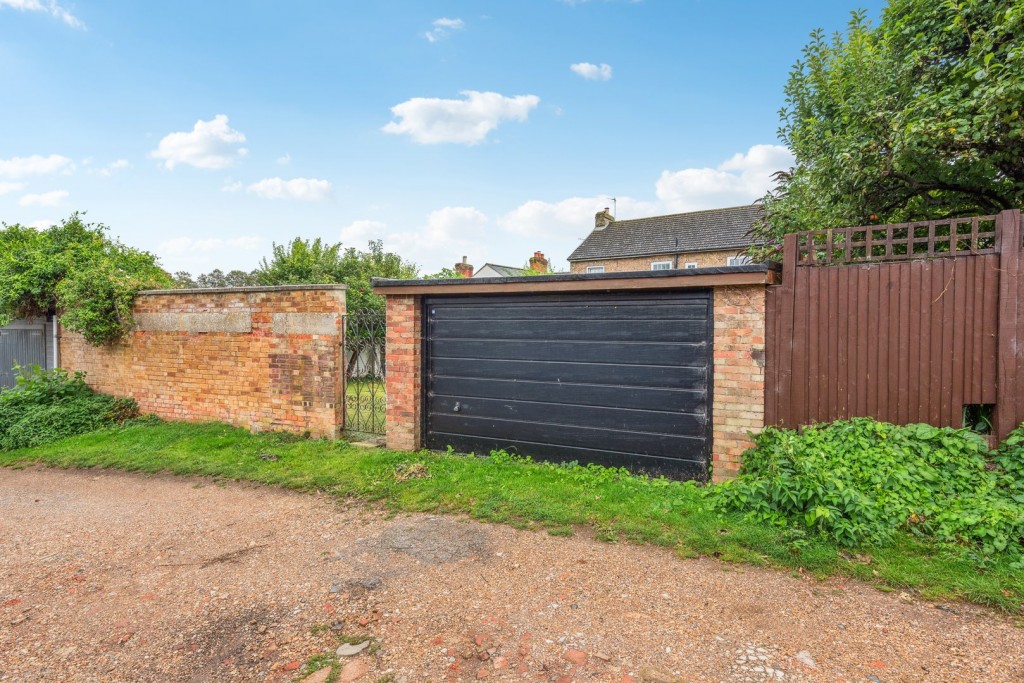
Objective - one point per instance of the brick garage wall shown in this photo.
(264, 358)
(738, 394)
(704, 259)
(404, 381)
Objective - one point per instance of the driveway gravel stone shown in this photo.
(107, 576)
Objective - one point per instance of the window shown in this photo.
(661, 265)
(595, 269)
(738, 261)
(692, 265)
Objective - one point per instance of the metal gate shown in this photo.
(24, 345)
(365, 398)
(615, 379)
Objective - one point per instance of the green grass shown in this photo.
(526, 495)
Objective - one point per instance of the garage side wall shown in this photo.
(404, 379)
(262, 358)
(738, 394)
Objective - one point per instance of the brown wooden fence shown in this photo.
(904, 323)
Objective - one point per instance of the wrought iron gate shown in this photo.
(365, 398)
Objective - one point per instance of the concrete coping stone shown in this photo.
(244, 290)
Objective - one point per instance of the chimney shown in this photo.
(538, 263)
(463, 269)
(602, 219)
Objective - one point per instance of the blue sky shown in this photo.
(205, 131)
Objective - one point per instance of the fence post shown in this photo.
(783, 344)
(1007, 410)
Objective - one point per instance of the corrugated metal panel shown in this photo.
(23, 345)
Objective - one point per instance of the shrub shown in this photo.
(861, 481)
(48, 406)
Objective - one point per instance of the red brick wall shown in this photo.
(738, 400)
(404, 372)
(260, 358)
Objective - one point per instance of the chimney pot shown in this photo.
(538, 263)
(464, 269)
(602, 219)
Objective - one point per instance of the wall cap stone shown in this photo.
(243, 290)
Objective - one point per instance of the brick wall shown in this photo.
(704, 259)
(262, 358)
(403, 383)
(738, 400)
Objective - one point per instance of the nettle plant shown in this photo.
(861, 482)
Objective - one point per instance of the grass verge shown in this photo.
(526, 495)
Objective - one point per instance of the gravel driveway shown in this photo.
(115, 577)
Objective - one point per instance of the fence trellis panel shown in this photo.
(906, 323)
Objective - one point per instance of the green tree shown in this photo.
(315, 262)
(918, 118)
(78, 271)
(301, 262)
(215, 278)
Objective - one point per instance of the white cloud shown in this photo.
(449, 233)
(113, 166)
(558, 226)
(302, 189)
(42, 224)
(442, 27)
(571, 218)
(8, 187)
(431, 121)
(739, 180)
(284, 160)
(229, 186)
(362, 231)
(50, 7)
(52, 198)
(181, 246)
(19, 167)
(592, 72)
(210, 144)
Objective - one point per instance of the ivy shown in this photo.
(77, 271)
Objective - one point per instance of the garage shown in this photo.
(615, 378)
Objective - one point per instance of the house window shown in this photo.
(692, 265)
(661, 265)
(595, 269)
(738, 261)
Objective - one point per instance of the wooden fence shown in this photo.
(914, 322)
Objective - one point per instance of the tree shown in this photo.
(215, 278)
(315, 262)
(77, 271)
(917, 119)
(301, 262)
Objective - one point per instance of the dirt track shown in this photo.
(115, 577)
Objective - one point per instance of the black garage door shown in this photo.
(615, 379)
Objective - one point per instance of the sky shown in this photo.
(205, 132)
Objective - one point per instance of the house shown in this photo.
(27, 342)
(699, 239)
(538, 264)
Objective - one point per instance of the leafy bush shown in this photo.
(77, 270)
(48, 406)
(862, 481)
